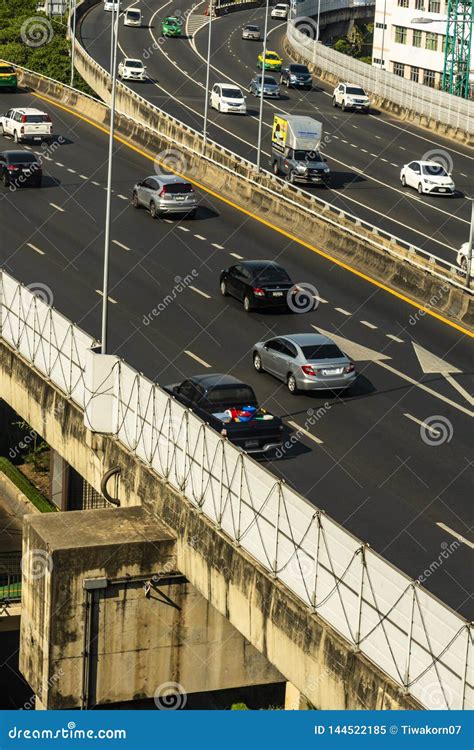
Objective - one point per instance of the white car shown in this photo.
(132, 17)
(427, 177)
(130, 69)
(225, 97)
(350, 96)
(26, 124)
(280, 11)
(112, 5)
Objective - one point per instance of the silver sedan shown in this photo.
(270, 87)
(305, 362)
(251, 32)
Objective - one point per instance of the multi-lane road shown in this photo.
(365, 153)
(366, 458)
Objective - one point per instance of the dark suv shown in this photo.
(296, 76)
(20, 168)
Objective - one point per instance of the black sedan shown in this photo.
(19, 168)
(259, 284)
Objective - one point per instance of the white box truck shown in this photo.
(295, 150)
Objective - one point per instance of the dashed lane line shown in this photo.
(36, 249)
(307, 434)
(196, 358)
(199, 291)
(184, 229)
(236, 255)
(342, 311)
(58, 208)
(199, 237)
(218, 247)
(101, 294)
(368, 325)
(119, 244)
(455, 534)
(394, 338)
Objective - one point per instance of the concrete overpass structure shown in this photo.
(312, 603)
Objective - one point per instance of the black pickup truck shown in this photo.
(231, 408)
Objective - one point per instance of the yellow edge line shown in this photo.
(268, 224)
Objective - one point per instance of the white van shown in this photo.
(132, 17)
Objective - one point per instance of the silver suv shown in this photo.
(165, 194)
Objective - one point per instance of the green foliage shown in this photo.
(25, 486)
(34, 41)
(357, 43)
(239, 707)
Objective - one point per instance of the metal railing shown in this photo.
(422, 644)
(10, 579)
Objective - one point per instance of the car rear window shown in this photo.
(179, 188)
(355, 90)
(22, 158)
(133, 14)
(237, 396)
(299, 69)
(270, 275)
(322, 351)
(37, 118)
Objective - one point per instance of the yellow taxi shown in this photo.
(273, 61)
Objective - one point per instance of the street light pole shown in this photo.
(262, 78)
(112, 26)
(469, 247)
(105, 285)
(384, 23)
(206, 99)
(73, 42)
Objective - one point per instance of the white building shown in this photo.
(409, 39)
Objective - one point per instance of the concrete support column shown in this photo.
(59, 480)
(294, 699)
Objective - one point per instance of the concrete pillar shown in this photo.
(59, 480)
(294, 699)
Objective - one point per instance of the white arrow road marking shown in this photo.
(360, 353)
(305, 432)
(456, 535)
(430, 363)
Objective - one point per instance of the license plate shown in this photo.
(251, 443)
(336, 371)
(179, 197)
(278, 294)
(443, 190)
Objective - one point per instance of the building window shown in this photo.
(429, 78)
(379, 25)
(416, 38)
(434, 6)
(399, 69)
(414, 74)
(403, 3)
(419, 4)
(431, 41)
(443, 43)
(400, 34)
(378, 61)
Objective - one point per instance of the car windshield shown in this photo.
(172, 21)
(239, 395)
(271, 275)
(133, 64)
(22, 159)
(322, 351)
(434, 170)
(232, 93)
(268, 80)
(133, 14)
(301, 155)
(299, 69)
(252, 28)
(6, 69)
(37, 118)
(272, 56)
(179, 188)
(355, 90)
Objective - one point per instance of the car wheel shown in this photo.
(403, 180)
(135, 201)
(1, 130)
(5, 180)
(15, 136)
(257, 362)
(291, 177)
(420, 188)
(275, 169)
(223, 288)
(334, 103)
(247, 304)
(464, 263)
(192, 214)
(153, 211)
(343, 106)
(291, 384)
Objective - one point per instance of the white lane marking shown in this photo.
(48, 158)
(369, 325)
(95, 183)
(58, 208)
(122, 197)
(199, 237)
(111, 299)
(382, 159)
(198, 291)
(71, 170)
(402, 148)
(374, 155)
(458, 387)
(432, 430)
(455, 534)
(344, 140)
(342, 311)
(394, 338)
(83, 177)
(354, 145)
(218, 247)
(305, 432)
(195, 357)
(379, 137)
(364, 150)
(28, 147)
(392, 164)
(58, 164)
(320, 299)
(36, 249)
(236, 255)
(119, 244)
(184, 229)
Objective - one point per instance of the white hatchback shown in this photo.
(427, 177)
(132, 17)
(225, 97)
(280, 11)
(131, 70)
(26, 124)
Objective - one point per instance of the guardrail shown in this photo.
(435, 106)
(137, 108)
(409, 634)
